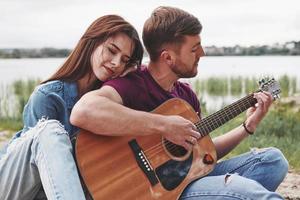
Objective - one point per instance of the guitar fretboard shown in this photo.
(217, 119)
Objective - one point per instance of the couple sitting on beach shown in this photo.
(103, 88)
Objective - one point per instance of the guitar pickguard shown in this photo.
(173, 172)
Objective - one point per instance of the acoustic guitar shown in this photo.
(151, 167)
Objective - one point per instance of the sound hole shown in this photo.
(174, 149)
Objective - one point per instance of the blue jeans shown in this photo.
(250, 176)
(35, 160)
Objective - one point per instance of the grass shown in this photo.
(236, 85)
(11, 124)
(12, 103)
(222, 86)
(216, 86)
(280, 128)
(22, 91)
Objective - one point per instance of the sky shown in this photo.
(60, 23)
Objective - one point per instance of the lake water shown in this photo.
(14, 69)
(228, 66)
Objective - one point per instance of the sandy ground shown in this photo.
(289, 188)
(3, 138)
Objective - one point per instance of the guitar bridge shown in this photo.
(143, 162)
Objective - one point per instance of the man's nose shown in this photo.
(201, 52)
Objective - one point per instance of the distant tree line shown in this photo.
(34, 53)
(288, 48)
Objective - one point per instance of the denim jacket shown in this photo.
(52, 100)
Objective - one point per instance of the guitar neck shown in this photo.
(217, 119)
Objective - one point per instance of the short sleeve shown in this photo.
(192, 98)
(126, 88)
(196, 104)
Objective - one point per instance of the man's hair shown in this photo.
(168, 25)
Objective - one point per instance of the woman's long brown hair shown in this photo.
(78, 64)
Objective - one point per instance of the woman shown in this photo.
(43, 155)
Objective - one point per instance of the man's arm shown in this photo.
(101, 112)
(225, 143)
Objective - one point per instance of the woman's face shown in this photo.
(111, 57)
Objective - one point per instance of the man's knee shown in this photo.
(278, 164)
(275, 156)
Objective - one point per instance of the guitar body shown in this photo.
(143, 167)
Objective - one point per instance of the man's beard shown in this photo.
(182, 72)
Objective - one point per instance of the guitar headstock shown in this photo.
(270, 85)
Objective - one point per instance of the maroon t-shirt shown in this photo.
(140, 91)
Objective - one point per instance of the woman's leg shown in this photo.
(43, 156)
(19, 178)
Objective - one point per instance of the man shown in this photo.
(171, 37)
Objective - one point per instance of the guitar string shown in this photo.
(215, 117)
(226, 109)
(159, 147)
(150, 156)
(151, 148)
(228, 113)
(245, 103)
(209, 121)
(208, 124)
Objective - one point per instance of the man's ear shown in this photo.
(128, 70)
(167, 57)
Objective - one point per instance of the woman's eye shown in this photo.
(111, 50)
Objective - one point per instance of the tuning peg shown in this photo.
(261, 81)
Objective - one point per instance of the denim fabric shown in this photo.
(250, 176)
(35, 159)
(52, 100)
